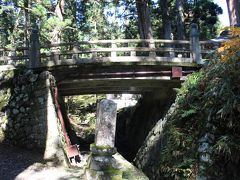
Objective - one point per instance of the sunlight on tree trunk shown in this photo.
(233, 12)
(180, 20)
(167, 28)
(59, 11)
(144, 19)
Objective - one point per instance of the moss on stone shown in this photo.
(100, 147)
(111, 170)
(113, 174)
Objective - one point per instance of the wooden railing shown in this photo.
(193, 51)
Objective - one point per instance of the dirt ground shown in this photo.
(21, 164)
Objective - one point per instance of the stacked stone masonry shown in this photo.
(27, 113)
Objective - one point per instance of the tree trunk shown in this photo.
(233, 12)
(26, 24)
(59, 11)
(167, 28)
(144, 19)
(180, 20)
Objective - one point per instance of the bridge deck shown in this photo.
(114, 77)
(106, 66)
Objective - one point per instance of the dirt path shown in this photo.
(20, 164)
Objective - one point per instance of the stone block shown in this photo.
(106, 123)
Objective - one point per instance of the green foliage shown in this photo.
(39, 10)
(208, 103)
(90, 20)
(4, 98)
(205, 14)
(84, 107)
(179, 132)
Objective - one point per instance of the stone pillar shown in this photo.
(195, 44)
(106, 123)
(102, 164)
(34, 56)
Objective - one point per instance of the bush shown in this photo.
(202, 136)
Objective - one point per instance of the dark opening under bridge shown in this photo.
(113, 66)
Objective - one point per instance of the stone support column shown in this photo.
(106, 123)
(195, 44)
(102, 164)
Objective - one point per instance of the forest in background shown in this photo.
(202, 135)
(77, 20)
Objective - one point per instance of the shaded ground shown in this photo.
(20, 164)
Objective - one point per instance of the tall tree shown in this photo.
(180, 20)
(205, 14)
(144, 19)
(167, 24)
(58, 12)
(233, 12)
(26, 22)
(94, 20)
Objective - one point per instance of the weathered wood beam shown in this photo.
(116, 70)
(13, 49)
(115, 86)
(127, 60)
(156, 82)
(120, 49)
(117, 41)
(13, 58)
(106, 91)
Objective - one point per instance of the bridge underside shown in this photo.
(119, 77)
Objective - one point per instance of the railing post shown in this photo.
(133, 53)
(152, 46)
(94, 54)
(113, 53)
(55, 54)
(75, 52)
(34, 49)
(195, 44)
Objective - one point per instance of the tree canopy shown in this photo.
(75, 20)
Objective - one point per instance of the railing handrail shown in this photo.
(165, 48)
(117, 41)
(22, 48)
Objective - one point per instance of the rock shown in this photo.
(44, 75)
(15, 111)
(33, 78)
(41, 100)
(13, 104)
(29, 72)
(21, 96)
(22, 109)
(205, 157)
(10, 124)
(17, 126)
(203, 147)
(16, 90)
(25, 99)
